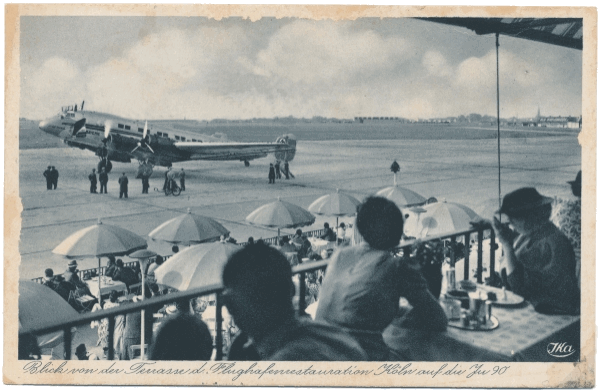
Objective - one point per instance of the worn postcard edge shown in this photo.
(545, 375)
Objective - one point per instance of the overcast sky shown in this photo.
(173, 67)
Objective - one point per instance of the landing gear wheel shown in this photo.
(106, 164)
(247, 163)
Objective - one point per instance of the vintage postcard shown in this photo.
(340, 196)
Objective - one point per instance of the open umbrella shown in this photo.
(280, 214)
(402, 196)
(100, 240)
(189, 229)
(40, 306)
(337, 204)
(196, 266)
(442, 218)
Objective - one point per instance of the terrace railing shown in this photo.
(479, 232)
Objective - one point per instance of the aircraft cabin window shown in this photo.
(121, 126)
(193, 140)
(183, 138)
(159, 133)
(140, 130)
(177, 138)
(127, 127)
(166, 135)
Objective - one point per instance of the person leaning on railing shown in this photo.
(540, 263)
(363, 285)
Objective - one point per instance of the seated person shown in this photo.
(258, 294)
(286, 246)
(125, 274)
(111, 268)
(157, 263)
(328, 235)
(341, 233)
(71, 275)
(49, 278)
(82, 353)
(363, 284)
(303, 244)
(62, 287)
(566, 215)
(540, 263)
(182, 337)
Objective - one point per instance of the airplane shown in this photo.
(113, 138)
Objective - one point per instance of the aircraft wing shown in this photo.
(231, 150)
(567, 32)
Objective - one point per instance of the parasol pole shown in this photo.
(143, 311)
(99, 283)
(498, 119)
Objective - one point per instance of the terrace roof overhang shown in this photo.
(566, 32)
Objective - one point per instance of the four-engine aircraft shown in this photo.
(114, 138)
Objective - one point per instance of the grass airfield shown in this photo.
(463, 171)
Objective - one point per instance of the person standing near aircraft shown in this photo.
(48, 176)
(103, 181)
(278, 169)
(123, 183)
(54, 176)
(93, 182)
(271, 174)
(182, 179)
(166, 178)
(145, 183)
(286, 171)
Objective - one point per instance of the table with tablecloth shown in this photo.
(523, 335)
(107, 285)
(318, 244)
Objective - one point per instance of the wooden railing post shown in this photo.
(67, 342)
(492, 255)
(111, 338)
(467, 253)
(219, 327)
(302, 292)
(480, 255)
(452, 254)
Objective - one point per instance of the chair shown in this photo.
(81, 301)
(135, 288)
(135, 352)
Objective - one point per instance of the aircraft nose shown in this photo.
(43, 125)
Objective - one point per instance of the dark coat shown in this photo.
(93, 178)
(271, 172)
(103, 177)
(126, 275)
(123, 182)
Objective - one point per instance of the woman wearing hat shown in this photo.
(539, 259)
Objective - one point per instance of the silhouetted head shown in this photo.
(81, 352)
(258, 289)
(159, 260)
(182, 337)
(250, 240)
(113, 296)
(576, 185)
(379, 221)
(326, 225)
(49, 272)
(119, 263)
(175, 249)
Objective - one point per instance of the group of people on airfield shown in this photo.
(51, 175)
(275, 171)
(170, 177)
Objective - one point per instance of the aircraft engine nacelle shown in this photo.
(289, 139)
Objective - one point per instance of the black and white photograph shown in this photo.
(387, 197)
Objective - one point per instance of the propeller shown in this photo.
(82, 105)
(144, 141)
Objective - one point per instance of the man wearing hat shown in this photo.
(72, 276)
(48, 176)
(566, 215)
(539, 260)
